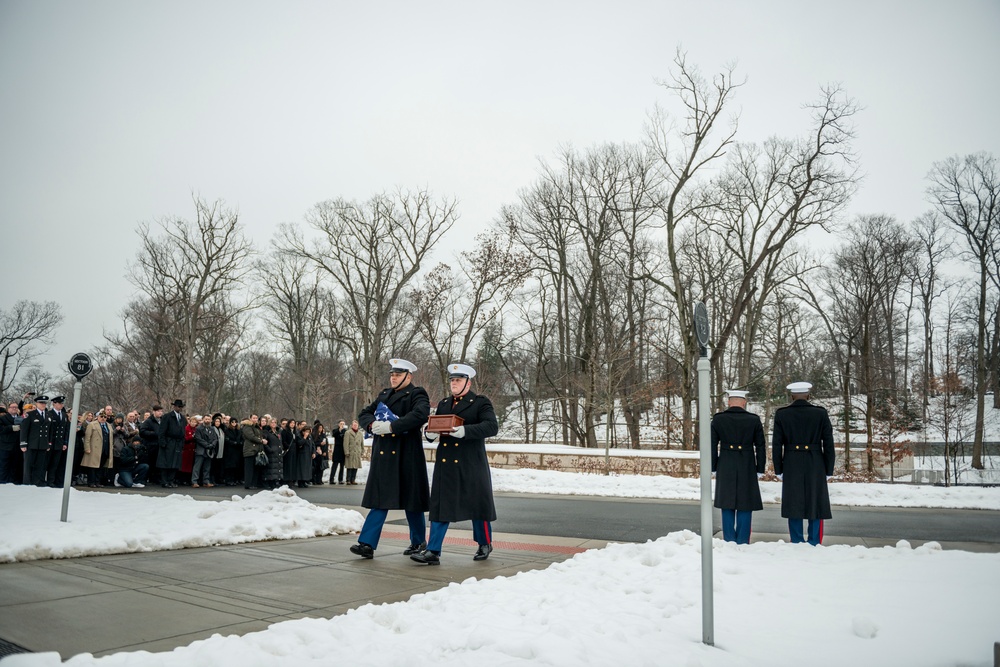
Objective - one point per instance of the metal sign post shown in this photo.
(80, 367)
(702, 331)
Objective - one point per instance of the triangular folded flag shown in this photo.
(384, 414)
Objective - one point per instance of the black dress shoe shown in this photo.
(414, 548)
(363, 550)
(483, 552)
(426, 558)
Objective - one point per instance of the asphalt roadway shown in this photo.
(162, 600)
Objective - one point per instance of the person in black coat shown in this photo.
(10, 439)
(304, 453)
(463, 487)
(397, 478)
(339, 455)
(738, 461)
(149, 431)
(35, 442)
(803, 456)
(232, 460)
(172, 433)
(272, 447)
(60, 430)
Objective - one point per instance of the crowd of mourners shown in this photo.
(171, 448)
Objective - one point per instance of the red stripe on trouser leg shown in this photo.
(821, 531)
(486, 531)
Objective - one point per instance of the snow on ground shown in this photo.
(640, 604)
(106, 523)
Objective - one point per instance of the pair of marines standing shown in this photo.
(803, 456)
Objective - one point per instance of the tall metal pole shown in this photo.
(705, 443)
(71, 450)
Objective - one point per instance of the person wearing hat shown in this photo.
(397, 478)
(10, 427)
(60, 429)
(738, 461)
(462, 488)
(35, 442)
(173, 430)
(803, 457)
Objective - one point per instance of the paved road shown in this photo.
(638, 520)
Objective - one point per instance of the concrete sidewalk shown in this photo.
(161, 600)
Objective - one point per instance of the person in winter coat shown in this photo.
(321, 452)
(232, 462)
(354, 447)
(173, 430)
(206, 444)
(738, 461)
(397, 478)
(339, 454)
(290, 459)
(149, 431)
(272, 447)
(97, 451)
(803, 457)
(253, 443)
(463, 487)
(304, 452)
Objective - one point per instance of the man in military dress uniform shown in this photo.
(738, 461)
(803, 456)
(60, 429)
(35, 442)
(462, 488)
(397, 478)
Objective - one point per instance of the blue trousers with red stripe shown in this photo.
(482, 533)
(815, 531)
(371, 531)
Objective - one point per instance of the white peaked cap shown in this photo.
(402, 365)
(799, 387)
(737, 393)
(461, 370)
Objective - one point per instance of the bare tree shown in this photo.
(194, 270)
(24, 325)
(966, 192)
(681, 162)
(370, 253)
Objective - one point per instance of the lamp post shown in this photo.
(80, 367)
(702, 332)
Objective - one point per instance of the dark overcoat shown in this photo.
(290, 462)
(172, 434)
(273, 449)
(463, 487)
(802, 452)
(303, 457)
(397, 478)
(35, 430)
(339, 454)
(738, 454)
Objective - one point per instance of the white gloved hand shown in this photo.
(458, 432)
(381, 428)
(780, 477)
(760, 475)
(829, 477)
(430, 435)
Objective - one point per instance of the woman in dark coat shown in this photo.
(290, 462)
(272, 447)
(339, 457)
(463, 487)
(321, 450)
(232, 460)
(304, 452)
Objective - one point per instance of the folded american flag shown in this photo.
(384, 414)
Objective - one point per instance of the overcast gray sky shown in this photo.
(114, 112)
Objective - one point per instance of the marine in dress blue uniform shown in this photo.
(397, 478)
(35, 442)
(462, 488)
(738, 461)
(803, 457)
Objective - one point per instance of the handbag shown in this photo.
(261, 458)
